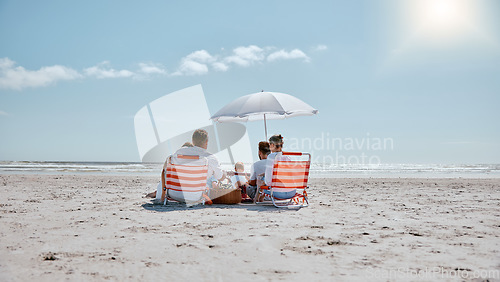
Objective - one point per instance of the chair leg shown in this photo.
(293, 202)
(304, 194)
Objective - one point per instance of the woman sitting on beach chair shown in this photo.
(276, 147)
(289, 181)
(285, 179)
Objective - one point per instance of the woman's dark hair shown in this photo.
(264, 147)
(276, 139)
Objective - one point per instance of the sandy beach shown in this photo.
(101, 227)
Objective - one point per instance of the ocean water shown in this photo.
(316, 171)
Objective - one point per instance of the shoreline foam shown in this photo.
(316, 171)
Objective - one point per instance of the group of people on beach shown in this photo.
(260, 171)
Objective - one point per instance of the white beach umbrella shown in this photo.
(263, 106)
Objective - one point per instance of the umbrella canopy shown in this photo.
(262, 106)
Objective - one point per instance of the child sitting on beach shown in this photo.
(239, 178)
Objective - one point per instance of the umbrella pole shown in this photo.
(265, 125)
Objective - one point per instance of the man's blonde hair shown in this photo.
(200, 136)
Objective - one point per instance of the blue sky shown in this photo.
(425, 74)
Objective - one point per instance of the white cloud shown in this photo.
(2, 113)
(6, 63)
(245, 56)
(17, 78)
(195, 63)
(284, 55)
(151, 68)
(103, 70)
(321, 47)
(218, 66)
(200, 62)
(189, 67)
(201, 56)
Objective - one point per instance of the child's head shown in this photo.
(239, 167)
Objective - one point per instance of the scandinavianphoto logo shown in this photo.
(328, 149)
(165, 124)
(425, 273)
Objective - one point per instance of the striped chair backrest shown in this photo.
(191, 176)
(291, 174)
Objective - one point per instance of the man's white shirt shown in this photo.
(213, 163)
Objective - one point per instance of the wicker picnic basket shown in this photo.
(225, 196)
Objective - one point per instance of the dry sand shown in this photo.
(100, 227)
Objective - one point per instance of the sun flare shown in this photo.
(443, 12)
(442, 17)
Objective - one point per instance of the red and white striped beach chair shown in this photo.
(185, 179)
(289, 176)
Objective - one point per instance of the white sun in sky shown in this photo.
(437, 29)
(442, 18)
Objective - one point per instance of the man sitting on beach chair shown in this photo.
(200, 142)
(258, 169)
(185, 179)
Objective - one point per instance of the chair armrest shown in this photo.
(291, 153)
